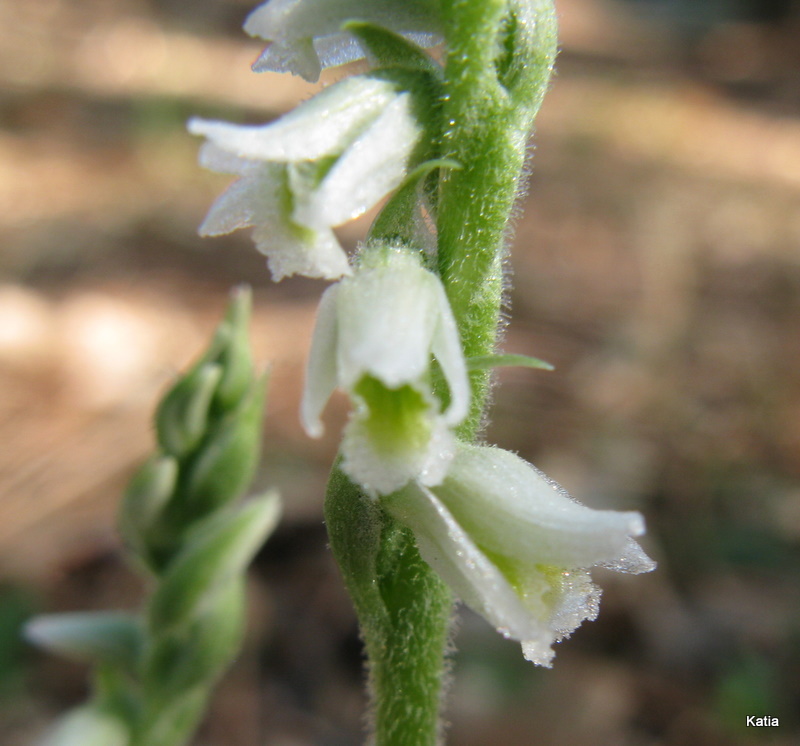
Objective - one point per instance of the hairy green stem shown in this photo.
(404, 610)
(500, 54)
(497, 69)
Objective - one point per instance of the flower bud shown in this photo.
(182, 415)
(177, 662)
(215, 553)
(224, 466)
(147, 494)
(235, 357)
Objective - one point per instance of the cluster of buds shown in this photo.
(189, 531)
(510, 542)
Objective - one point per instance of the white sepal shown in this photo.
(373, 165)
(324, 125)
(386, 321)
(532, 518)
(306, 35)
(321, 373)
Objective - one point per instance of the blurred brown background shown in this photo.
(657, 265)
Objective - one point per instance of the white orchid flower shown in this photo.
(375, 337)
(324, 163)
(515, 547)
(306, 35)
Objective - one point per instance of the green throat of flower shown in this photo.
(396, 419)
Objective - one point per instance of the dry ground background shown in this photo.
(657, 265)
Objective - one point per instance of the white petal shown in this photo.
(371, 167)
(321, 368)
(387, 316)
(633, 560)
(383, 471)
(289, 20)
(446, 347)
(292, 250)
(532, 518)
(239, 206)
(324, 125)
(449, 550)
(298, 58)
(216, 159)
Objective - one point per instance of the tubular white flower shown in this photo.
(515, 547)
(306, 35)
(375, 336)
(324, 163)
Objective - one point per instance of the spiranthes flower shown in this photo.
(515, 547)
(306, 35)
(376, 335)
(324, 163)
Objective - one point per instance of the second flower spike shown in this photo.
(376, 336)
(324, 163)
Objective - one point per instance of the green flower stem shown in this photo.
(404, 610)
(496, 73)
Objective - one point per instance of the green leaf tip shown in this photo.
(486, 362)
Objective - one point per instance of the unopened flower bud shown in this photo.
(177, 662)
(182, 416)
(224, 466)
(215, 553)
(235, 357)
(148, 493)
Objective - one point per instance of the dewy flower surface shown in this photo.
(306, 35)
(325, 163)
(375, 336)
(515, 547)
